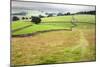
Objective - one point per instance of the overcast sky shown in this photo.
(48, 7)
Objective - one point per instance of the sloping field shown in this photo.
(19, 24)
(55, 47)
(42, 27)
(58, 19)
(51, 23)
(85, 18)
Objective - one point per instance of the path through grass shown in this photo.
(82, 45)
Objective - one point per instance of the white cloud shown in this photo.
(48, 7)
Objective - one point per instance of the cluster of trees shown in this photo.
(41, 16)
(21, 13)
(25, 18)
(35, 20)
(68, 13)
(59, 14)
(15, 18)
(87, 12)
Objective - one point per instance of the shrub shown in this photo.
(60, 14)
(26, 18)
(67, 13)
(30, 18)
(35, 20)
(23, 18)
(15, 18)
(50, 15)
(40, 16)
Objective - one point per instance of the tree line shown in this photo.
(37, 20)
(33, 19)
(87, 12)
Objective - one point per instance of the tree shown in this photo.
(50, 15)
(23, 18)
(40, 16)
(30, 18)
(68, 13)
(87, 12)
(46, 13)
(15, 18)
(35, 20)
(26, 18)
(59, 14)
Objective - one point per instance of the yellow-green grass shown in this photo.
(55, 47)
(57, 19)
(65, 23)
(42, 27)
(85, 18)
(52, 23)
(19, 24)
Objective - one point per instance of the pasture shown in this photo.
(56, 46)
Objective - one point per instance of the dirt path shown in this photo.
(82, 44)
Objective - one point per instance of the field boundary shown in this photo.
(21, 28)
(74, 23)
(38, 32)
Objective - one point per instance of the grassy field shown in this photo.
(42, 27)
(85, 18)
(55, 46)
(58, 19)
(19, 24)
(51, 23)
(65, 23)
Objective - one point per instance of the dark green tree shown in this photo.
(35, 20)
(15, 18)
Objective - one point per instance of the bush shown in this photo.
(23, 18)
(50, 15)
(15, 18)
(40, 16)
(60, 14)
(35, 20)
(30, 18)
(67, 13)
(26, 18)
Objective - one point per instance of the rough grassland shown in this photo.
(58, 19)
(85, 18)
(51, 23)
(55, 47)
(19, 24)
(42, 27)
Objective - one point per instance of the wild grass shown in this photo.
(55, 47)
(51, 23)
(85, 18)
(57, 19)
(42, 27)
(19, 24)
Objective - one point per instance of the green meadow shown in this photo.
(55, 46)
(61, 22)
